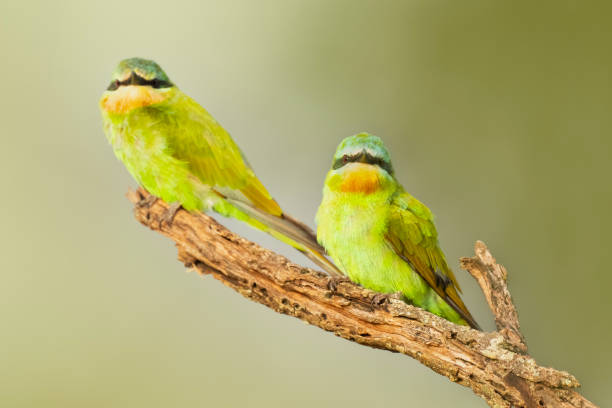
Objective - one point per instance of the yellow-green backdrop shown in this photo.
(497, 114)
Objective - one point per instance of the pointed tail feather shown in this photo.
(257, 194)
(463, 312)
(290, 231)
(318, 256)
(299, 224)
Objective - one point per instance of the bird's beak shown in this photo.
(133, 79)
(363, 157)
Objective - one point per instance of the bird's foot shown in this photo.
(147, 202)
(383, 298)
(334, 281)
(169, 214)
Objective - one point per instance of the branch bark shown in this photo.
(494, 365)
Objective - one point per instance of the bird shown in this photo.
(382, 237)
(178, 152)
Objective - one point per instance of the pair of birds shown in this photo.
(376, 233)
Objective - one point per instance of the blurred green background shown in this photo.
(497, 114)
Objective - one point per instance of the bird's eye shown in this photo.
(345, 159)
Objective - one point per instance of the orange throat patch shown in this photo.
(360, 178)
(130, 97)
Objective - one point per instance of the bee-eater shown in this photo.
(178, 152)
(382, 237)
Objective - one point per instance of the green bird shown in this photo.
(178, 152)
(382, 237)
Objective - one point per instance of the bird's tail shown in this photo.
(316, 252)
(284, 228)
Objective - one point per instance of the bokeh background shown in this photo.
(497, 114)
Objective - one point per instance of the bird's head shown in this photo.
(361, 165)
(135, 83)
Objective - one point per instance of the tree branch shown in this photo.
(492, 280)
(493, 365)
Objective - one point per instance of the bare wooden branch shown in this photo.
(492, 279)
(488, 363)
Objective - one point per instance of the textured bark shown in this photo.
(494, 365)
(492, 280)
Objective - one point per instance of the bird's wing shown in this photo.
(413, 236)
(212, 156)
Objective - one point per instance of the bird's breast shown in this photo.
(351, 219)
(351, 228)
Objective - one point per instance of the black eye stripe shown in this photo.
(357, 157)
(345, 160)
(377, 161)
(136, 79)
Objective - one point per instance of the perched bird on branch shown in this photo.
(382, 237)
(178, 152)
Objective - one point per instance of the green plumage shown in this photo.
(380, 236)
(178, 152)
